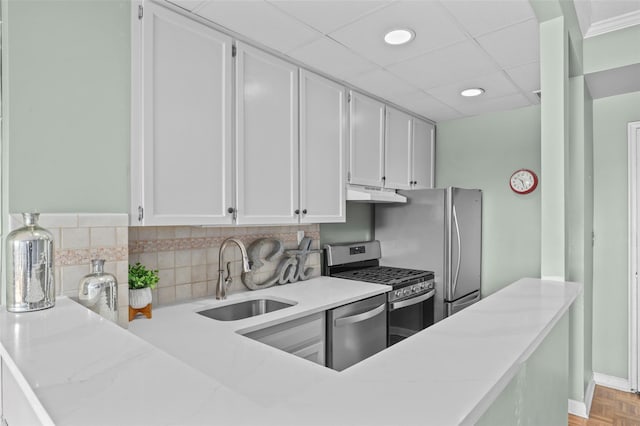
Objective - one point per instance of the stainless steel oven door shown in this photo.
(407, 317)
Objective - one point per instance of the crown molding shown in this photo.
(613, 24)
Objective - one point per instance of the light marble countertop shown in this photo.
(195, 370)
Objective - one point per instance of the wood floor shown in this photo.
(611, 407)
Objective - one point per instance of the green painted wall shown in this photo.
(610, 252)
(482, 152)
(554, 82)
(612, 50)
(68, 99)
(537, 395)
(579, 226)
(358, 227)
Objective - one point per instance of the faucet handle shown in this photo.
(228, 281)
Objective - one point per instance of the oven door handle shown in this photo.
(403, 304)
(339, 322)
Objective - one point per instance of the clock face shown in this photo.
(523, 181)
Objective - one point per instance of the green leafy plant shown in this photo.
(141, 277)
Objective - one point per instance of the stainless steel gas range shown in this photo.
(410, 305)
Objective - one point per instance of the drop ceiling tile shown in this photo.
(259, 21)
(445, 66)
(480, 105)
(187, 4)
(483, 16)
(527, 76)
(432, 25)
(332, 58)
(514, 45)
(327, 16)
(382, 83)
(426, 106)
(495, 85)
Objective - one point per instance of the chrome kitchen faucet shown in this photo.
(224, 283)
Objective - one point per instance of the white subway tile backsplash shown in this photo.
(183, 275)
(183, 292)
(187, 257)
(182, 232)
(55, 220)
(122, 236)
(94, 220)
(166, 259)
(198, 232)
(166, 295)
(150, 260)
(198, 273)
(147, 233)
(183, 258)
(75, 238)
(103, 237)
(167, 277)
(199, 257)
(199, 289)
(71, 276)
(166, 232)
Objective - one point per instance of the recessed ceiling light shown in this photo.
(475, 91)
(399, 36)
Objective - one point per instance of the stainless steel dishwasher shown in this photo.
(356, 331)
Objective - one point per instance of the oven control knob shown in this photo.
(407, 291)
(398, 293)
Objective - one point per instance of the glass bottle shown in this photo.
(30, 284)
(98, 291)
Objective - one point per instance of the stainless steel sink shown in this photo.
(246, 309)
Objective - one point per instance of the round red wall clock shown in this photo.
(523, 181)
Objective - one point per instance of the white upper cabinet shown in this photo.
(397, 152)
(366, 140)
(266, 138)
(322, 149)
(181, 166)
(423, 154)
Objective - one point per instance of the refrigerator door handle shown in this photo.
(455, 221)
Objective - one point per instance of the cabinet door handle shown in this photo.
(304, 211)
(297, 211)
(230, 210)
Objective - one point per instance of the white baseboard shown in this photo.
(582, 409)
(612, 382)
(578, 408)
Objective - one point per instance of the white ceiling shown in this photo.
(491, 44)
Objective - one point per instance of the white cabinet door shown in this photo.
(266, 138)
(322, 149)
(397, 152)
(186, 148)
(366, 140)
(423, 154)
(16, 408)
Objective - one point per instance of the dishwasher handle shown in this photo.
(339, 322)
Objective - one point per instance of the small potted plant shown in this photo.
(141, 282)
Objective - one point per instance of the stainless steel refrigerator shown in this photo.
(438, 230)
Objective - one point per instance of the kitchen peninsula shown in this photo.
(182, 368)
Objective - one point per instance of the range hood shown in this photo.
(366, 194)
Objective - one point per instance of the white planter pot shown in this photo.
(139, 298)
